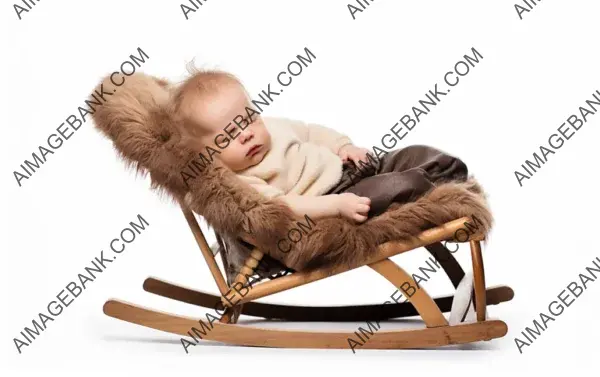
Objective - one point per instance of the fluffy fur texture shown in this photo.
(140, 120)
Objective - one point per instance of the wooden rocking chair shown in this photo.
(137, 118)
(437, 331)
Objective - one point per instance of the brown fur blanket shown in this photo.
(140, 120)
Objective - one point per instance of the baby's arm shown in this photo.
(318, 134)
(338, 143)
(349, 205)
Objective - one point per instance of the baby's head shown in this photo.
(213, 106)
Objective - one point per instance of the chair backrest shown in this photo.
(140, 120)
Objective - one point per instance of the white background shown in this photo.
(367, 73)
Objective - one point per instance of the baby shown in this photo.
(298, 163)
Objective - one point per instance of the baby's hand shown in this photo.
(353, 207)
(353, 153)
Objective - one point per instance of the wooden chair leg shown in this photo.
(478, 280)
(423, 303)
(227, 315)
(232, 313)
(205, 249)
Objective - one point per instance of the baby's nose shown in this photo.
(246, 135)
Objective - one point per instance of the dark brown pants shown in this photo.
(400, 176)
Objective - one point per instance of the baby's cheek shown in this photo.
(233, 154)
(237, 151)
(267, 140)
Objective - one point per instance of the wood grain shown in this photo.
(478, 280)
(253, 336)
(385, 250)
(426, 307)
(206, 251)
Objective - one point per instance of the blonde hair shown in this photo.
(201, 82)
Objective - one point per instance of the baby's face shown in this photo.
(241, 146)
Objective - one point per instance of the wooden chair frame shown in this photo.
(437, 331)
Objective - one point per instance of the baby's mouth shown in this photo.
(254, 150)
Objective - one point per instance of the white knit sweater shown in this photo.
(302, 160)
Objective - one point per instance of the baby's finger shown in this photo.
(359, 218)
(356, 160)
(363, 162)
(364, 200)
(362, 208)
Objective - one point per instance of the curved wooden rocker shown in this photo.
(353, 313)
(252, 336)
(238, 297)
